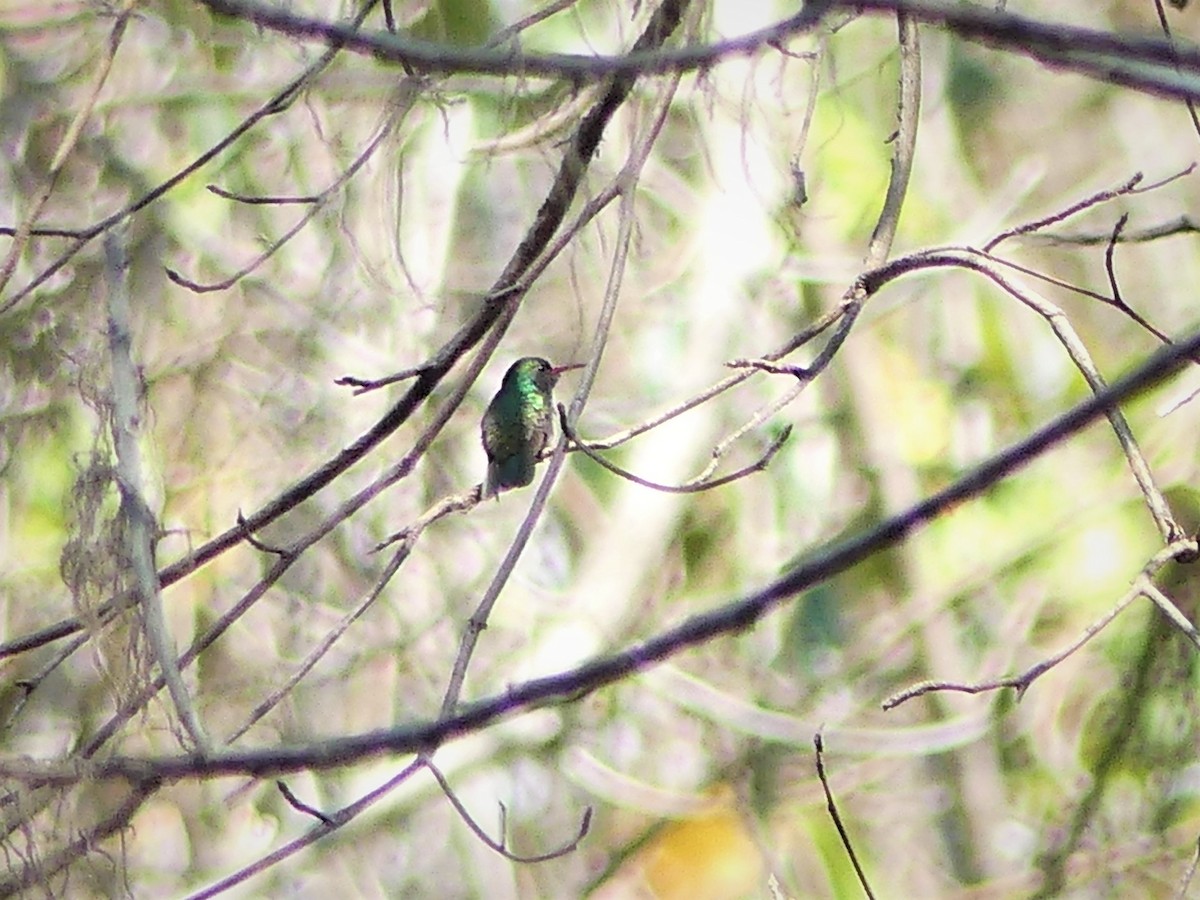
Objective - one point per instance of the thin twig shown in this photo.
(408, 92)
(690, 487)
(343, 816)
(264, 200)
(1077, 289)
(460, 502)
(317, 653)
(501, 846)
(1054, 218)
(798, 340)
(1172, 612)
(831, 806)
(1132, 186)
(759, 418)
(539, 15)
(800, 373)
(362, 385)
(1142, 586)
(300, 806)
(1165, 25)
(1114, 286)
(1180, 225)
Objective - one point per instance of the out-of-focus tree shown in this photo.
(849, 282)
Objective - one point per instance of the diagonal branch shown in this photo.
(729, 618)
(497, 308)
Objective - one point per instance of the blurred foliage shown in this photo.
(699, 771)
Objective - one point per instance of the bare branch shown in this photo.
(1171, 611)
(1110, 269)
(264, 201)
(501, 846)
(1076, 350)
(362, 385)
(1075, 208)
(1142, 586)
(1148, 64)
(703, 483)
(433, 58)
(300, 806)
(831, 806)
(1179, 225)
(409, 534)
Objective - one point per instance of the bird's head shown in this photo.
(537, 370)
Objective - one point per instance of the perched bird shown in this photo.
(519, 422)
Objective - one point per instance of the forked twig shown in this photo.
(701, 483)
(1142, 586)
(501, 846)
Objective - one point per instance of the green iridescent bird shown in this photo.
(519, 422)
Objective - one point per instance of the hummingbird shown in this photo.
(519, 422)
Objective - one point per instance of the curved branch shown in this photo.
(690, 487)
(500, 846)
(1153, 65)
(980, 262)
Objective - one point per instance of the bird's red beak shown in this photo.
(558, 370)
